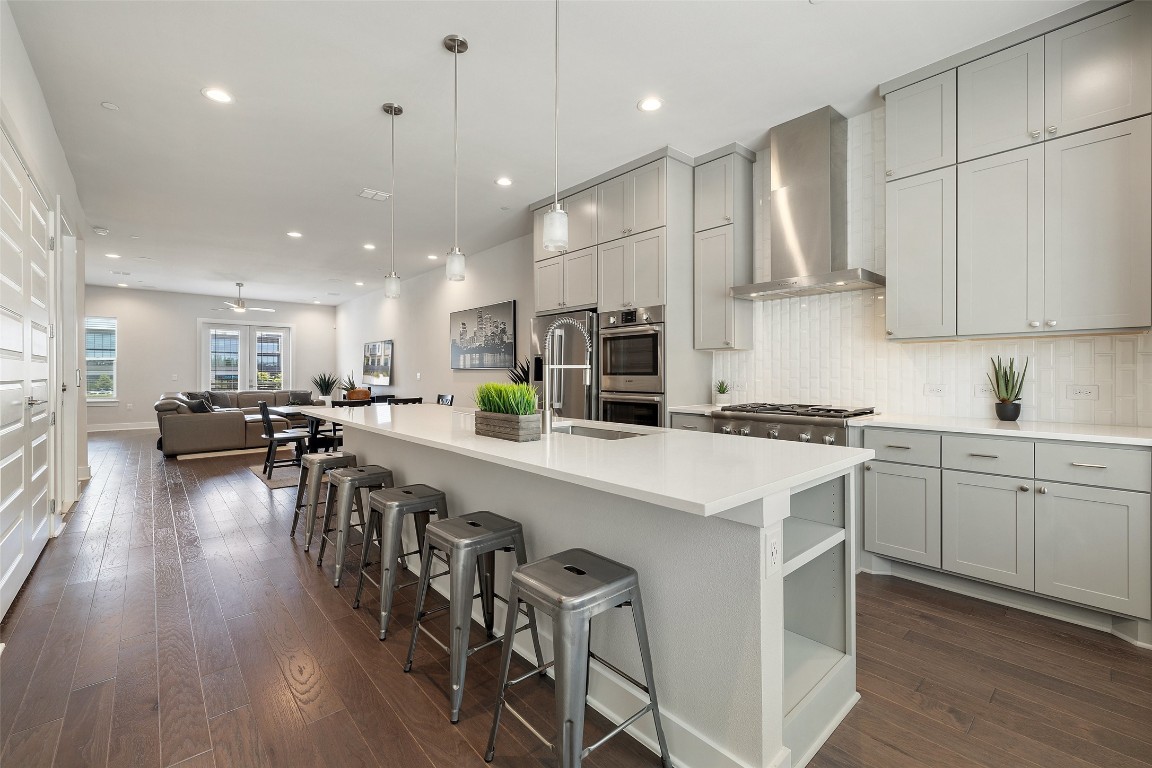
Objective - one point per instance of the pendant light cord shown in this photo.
(393, 206)
(456, 147)
(556, 113)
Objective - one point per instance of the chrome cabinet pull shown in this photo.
(1050, 323)
(1034, 324)
(983, 455)
(1041, 489)
(900, 447)
(1090, 466)
(1034, 134)
(887, 173)
(867, 467)
(1024, 489)
(1051, 129)
(688, 426)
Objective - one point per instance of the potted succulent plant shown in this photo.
(507, 411)
(354, 392)
(1007, 386)
(721, 392)
(325, 384)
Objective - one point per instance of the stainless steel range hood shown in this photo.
(809, 210)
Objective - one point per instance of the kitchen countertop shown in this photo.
(695, 410)
(1036, 430)
(699, 473)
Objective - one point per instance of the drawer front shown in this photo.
(691, 422)
(988, 455)
(904, 447)
(1093, 465)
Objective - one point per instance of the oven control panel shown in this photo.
(636, 316)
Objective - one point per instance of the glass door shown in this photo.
(240, 357)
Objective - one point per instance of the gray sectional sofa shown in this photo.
(233, 423)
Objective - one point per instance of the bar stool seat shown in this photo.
(312, 469)
(573, 587)
(387, 509)
(347, 485)
(471, 542)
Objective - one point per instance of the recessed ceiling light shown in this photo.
(100, 230)
(109, 105)
(433, 256)
(369, 247)
(359, 282)
(315, 301)
(219, 95)
(121, 285)
(134, 237)
(504, 181)
(294, 234)
(650, 104)
(112, 255)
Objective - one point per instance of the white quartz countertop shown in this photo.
(1034, 430)
(699, 473)
(696, 410)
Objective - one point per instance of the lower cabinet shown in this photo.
(988, 528)
(902, 512)
(1092, 547)
(691, 422)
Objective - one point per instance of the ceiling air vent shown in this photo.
(374, 194)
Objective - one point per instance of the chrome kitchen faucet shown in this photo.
(546, 411)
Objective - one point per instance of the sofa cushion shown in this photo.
(222, 399)
(205, 397)
(280, 397)
(199, 406)
(252, 398)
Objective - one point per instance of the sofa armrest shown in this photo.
(200, 432)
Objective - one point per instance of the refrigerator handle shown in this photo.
(558, 381)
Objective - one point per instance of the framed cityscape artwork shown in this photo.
(484, 337)
(377, 363)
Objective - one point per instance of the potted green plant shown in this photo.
(521, 372)
(1007, 386)
(721, 392)
(325, 384)
(507, 411)
(352, 391)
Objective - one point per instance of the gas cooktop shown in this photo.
(794, 409)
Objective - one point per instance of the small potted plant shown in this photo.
(721, 392)
(354, 392)
(507, 411)
(521, 372)
(1007, 386)
(325, 384)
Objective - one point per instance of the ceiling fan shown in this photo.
(239, 305)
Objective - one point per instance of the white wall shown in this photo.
(417, 322)
(157, 338)
(832, 349)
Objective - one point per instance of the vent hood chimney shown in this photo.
(809, 209)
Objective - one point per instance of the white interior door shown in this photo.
(237, 357)
(25, 386)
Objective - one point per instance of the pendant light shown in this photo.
(556, 220)
(392, 282)
(455, 261)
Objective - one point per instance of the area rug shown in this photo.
(282, 477)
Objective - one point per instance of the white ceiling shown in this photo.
(210, 190)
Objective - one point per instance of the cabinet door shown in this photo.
(921, 237)
(902, 512)
(644, 275)
(1000, 243)
(550, 284)
(581, 210)
(1098, 70)
(538, 252)
(580, 277)
(1000, 101)
(713, 191)
(714, 311)
(988, 528)
(1098, 232)
(647, 192)
(611, 275)
(611, 216)
(920, 126)
(1092, 547)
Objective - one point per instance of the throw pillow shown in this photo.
(219, 399)
(201, 396)
(300, 397)
(199, 406)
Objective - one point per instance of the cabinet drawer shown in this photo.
(988, 455)
(1093, 465)
(904, 447)
(691, 422)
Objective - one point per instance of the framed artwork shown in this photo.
(484, 337)
(377, 363)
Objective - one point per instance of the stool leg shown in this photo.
(344, 502)
(505, 665)
(329, 506)
(313, 503)
(390, 547)
(372, 526)
(570, 649)
(486, 567)
(462, 576)
(420, 520)
(521, 559)
(300, 486)
(421, 594)
(649, 678)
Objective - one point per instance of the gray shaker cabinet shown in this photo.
(1000, 101)
(920, 126)
(902, 517)
(988, 528)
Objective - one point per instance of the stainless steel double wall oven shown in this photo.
(632, 366)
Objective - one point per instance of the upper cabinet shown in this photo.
(1098, 70)
(632, 271)
(581, 209)
(566, 281)
(1000, 101)
(714, 193)
(920, 126)
(722, 253)
(631, 203)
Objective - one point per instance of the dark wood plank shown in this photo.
(224, 691)
(343, 745)
(101, 644)
(33, 748)
(237, 740)
(135, 736)
(213, 644)
(21, 651)
(84, 736)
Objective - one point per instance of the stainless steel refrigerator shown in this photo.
(572, 397)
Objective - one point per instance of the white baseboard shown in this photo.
(84, 472)
(124, 426)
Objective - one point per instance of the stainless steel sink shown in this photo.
(596, 432)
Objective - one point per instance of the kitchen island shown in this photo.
(744, 550)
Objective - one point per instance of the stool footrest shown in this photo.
(620, 672)
(509, 709)
(433, 638)
(534, 672)
(433, 611)
(615, 731)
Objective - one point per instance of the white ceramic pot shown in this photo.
(327, 400)
(719, 399)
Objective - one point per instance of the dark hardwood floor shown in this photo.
(176, 623)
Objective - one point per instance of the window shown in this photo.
(100, 358)
(237, 357)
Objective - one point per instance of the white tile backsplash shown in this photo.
(832, 349)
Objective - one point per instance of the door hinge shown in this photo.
(52, 243)
(51, 330)
(53, 421)
(52, 506)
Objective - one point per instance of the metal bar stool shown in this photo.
(572, 587)
(471, 543)
(312, 469)
(346, 485)
(386, 512)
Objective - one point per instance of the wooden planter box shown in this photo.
(507, 426)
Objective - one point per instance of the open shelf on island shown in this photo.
(806, 662)
(805, 540)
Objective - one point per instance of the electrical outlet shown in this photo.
(983, 390)
(1083, 391)
(936, 390)
(418, 375)
(175, 377)
(772, 550)
(128, 406)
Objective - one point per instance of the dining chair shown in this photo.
(444, 399)
(294, 437)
